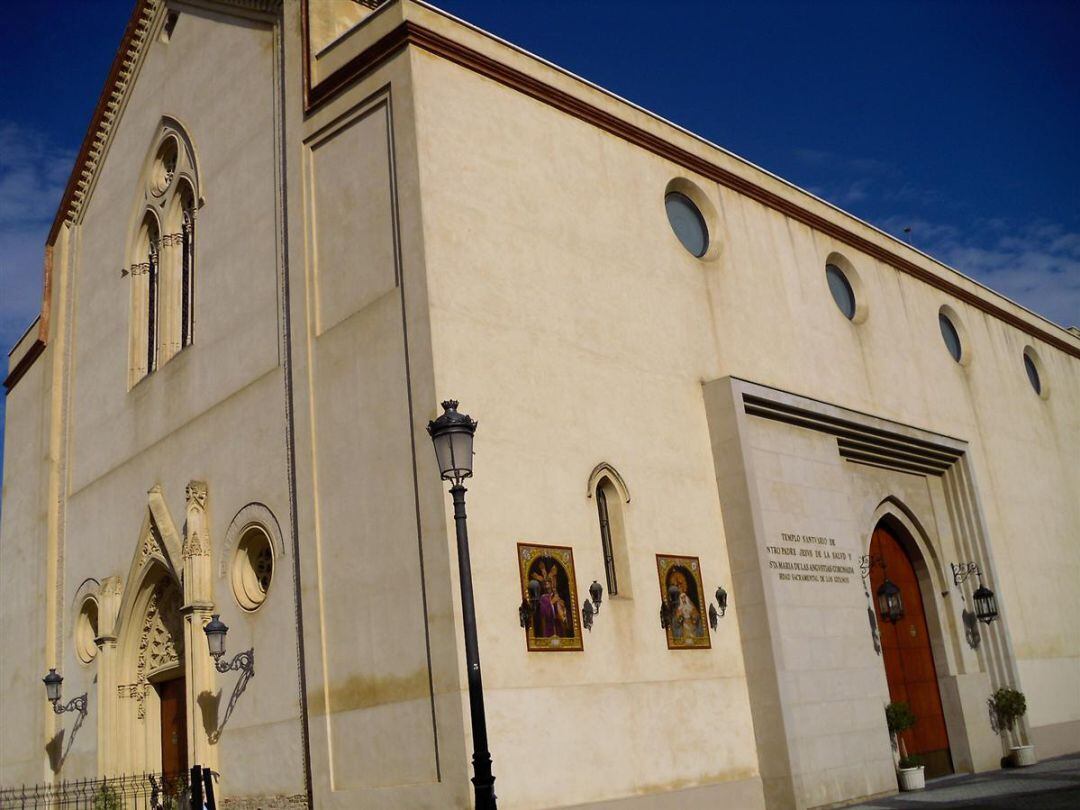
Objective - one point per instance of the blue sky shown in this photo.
(957, 119)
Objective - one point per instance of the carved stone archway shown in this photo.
(152, 628)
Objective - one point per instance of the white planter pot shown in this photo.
(1023, 755)
(911, 778)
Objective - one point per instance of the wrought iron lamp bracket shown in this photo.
(241, 662)
(867, 562)
(76, 704)
(717, 611)
(591, 607)
(961, 571)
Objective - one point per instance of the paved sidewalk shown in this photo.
(1050, 785)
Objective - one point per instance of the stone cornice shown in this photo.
(844, 228)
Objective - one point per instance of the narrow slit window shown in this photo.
(152, 304)
(187, 277)
(605, 541)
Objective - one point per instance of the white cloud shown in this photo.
(1037, 265)
(33, 172)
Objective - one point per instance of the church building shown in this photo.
(747, 469)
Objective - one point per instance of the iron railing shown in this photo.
(146, 791)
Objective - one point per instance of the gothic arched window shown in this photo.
(162, 263)
(608, 489)
(187, 266)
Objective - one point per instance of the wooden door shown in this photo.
(173, 726)
(909, 662)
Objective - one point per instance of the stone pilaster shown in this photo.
(109, 596)
(198, 603)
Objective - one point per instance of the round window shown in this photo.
(164, 166)
(687, 222)
(86, 630)
(950, 336)
(253, 568)
(1032, 369)
(841, 290)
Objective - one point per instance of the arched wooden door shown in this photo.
(909, 662)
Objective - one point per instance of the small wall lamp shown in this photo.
(986, 609)
(890, 602)
(527, 609)
(591, 606)
(669, 608)
(721, 602)
(52, 683)
(216, 630)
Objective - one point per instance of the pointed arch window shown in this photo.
(152, 296)
(162, 253)
(187, 268)
(606, 543)
(609, 491)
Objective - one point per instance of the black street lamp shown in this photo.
(216, 631)
(52, 683)
(452, 434)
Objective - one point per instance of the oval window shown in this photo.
(86, 630)
(687, 222)
(253, 568)
(950, 336)
(1032, 373)
(841, 290)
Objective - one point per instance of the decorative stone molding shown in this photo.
(605, 470)
(162, 637)
(252, 514)
(196, 531)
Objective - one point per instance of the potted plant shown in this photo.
(1007, 706)
(909, 771)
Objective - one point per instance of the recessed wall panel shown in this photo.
(353, 235)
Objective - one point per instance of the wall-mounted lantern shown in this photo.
(216, 630)
(591, 606)
(52, 683)
(669, 612)
(986, 609)
(890, 602)
(985, 604)
(721, 602)
(527, 608)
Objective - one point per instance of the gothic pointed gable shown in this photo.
(158, 546)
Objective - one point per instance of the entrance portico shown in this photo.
(807, 490)
(154, 665)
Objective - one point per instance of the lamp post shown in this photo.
(452, 434)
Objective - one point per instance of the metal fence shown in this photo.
(147, 791)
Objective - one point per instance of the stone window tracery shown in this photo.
(163, 254)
